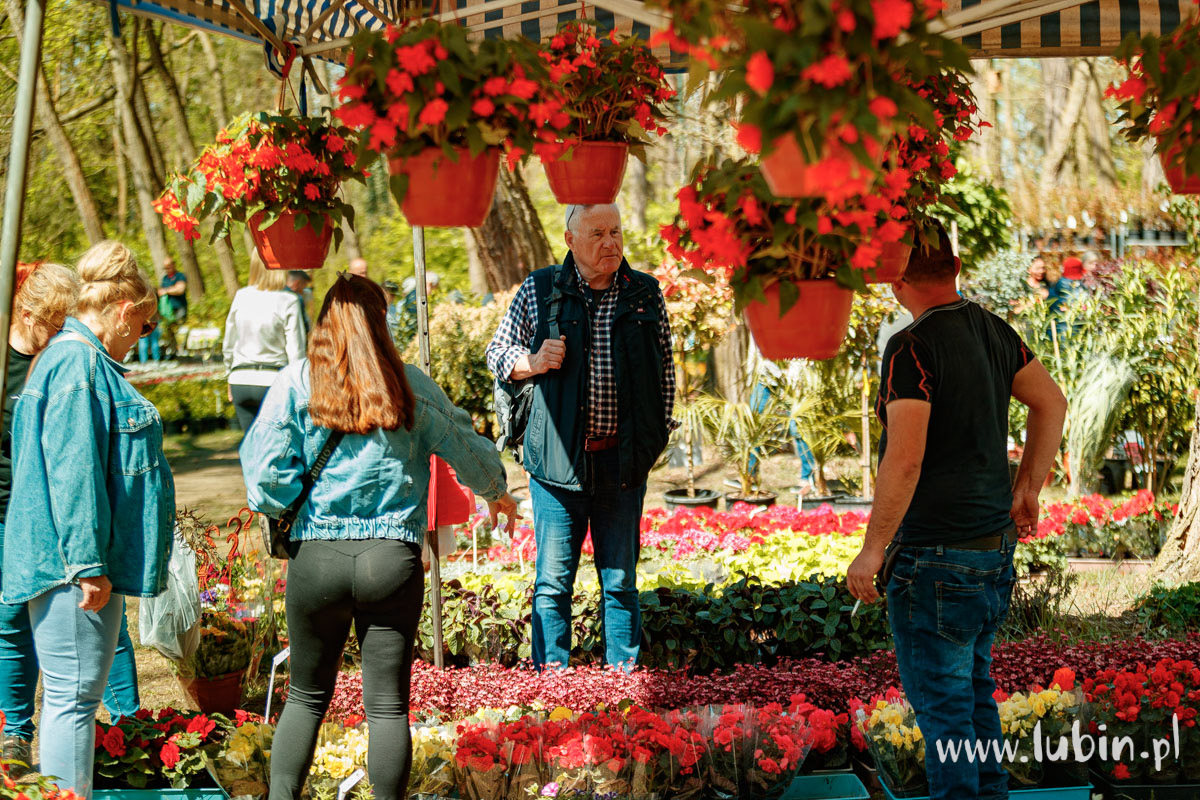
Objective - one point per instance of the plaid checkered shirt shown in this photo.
(514, 338)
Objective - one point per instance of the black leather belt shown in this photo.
(986, 542)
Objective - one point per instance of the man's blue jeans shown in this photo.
(561, 519)
(148, 347)
(19, 671)
(808, 462)
(944, 606)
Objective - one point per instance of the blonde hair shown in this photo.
(51, 291)
(110, 275)
(263, 279)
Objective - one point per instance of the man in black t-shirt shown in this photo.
(945, 505)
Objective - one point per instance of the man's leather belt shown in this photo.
(986, 542)
(606, 443)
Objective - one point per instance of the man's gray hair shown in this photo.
(575, 212)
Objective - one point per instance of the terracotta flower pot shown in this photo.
(281, 246)
(448, 194)
(892, 263)
(220, 695)
(788, 174)
(592, 176)
(812, 328)
(1180, 182)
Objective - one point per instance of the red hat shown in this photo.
(24, 270)
(1072, 268)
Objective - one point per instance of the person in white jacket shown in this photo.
(264, 332)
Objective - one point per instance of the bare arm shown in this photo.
(1034, 387)
(899, 470)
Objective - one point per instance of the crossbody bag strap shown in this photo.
(555, 302)
(308, 480)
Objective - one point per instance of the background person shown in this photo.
(299, 283)
(173, 308)
(591, 439)
(944, 498)
(358, 266)
(264, 332)
(93, 503)
(355, 553)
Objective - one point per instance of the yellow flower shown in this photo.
(561, 713)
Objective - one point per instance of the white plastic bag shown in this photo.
(170, 622)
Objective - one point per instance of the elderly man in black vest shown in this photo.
(593, 336)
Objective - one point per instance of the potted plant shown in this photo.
(613, 95)
(212, 676)
(822, 87)
(790, 262)
(152, 753)
(739, 429)
(278, 173)
(1158, 99)
(439, 108)
(701, 315)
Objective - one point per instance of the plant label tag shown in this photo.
(345, 786)
(280, 657)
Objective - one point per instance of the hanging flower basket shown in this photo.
(892, 263)
(789, 174)
(590, 174)
(1174, 167)
(267, 167)
(445, 194)
(219, 695)
(283, 245)
(814, 327)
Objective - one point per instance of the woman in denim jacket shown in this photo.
(93, 503)
(355, 546)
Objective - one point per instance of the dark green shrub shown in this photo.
(1170, 609)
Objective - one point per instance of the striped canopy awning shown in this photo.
(988, 28)
(1049, 28)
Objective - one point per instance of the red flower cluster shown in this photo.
(603, 90)
(167, 743)
(262, 162)
(438, 89)
(1097, 511)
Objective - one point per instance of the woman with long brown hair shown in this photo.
(355, 545)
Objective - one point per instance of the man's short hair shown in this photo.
(932, 263)
(299, 275)
(574, 212)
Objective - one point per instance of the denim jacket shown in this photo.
(374, 486)
(92, 491)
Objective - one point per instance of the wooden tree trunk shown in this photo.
(85, 202)
(1056, 77)
(635, 195)
(511, 243)
(1179, 560)
(729, 363)
(220, 105)
(122, 182)
(187, 149)
(1100, 134)
(136, 153)
(1064, 129)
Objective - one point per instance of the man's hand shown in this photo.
(507, 506)
(860, 578)
(95, 592)
(1025, 511)
(549, 356)
(161, 291)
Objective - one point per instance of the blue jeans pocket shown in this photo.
(962, 609)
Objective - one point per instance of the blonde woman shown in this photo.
(264, 332)
(93, 503)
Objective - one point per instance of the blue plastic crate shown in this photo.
(1057, 793)
(159, 794)
(829, 786)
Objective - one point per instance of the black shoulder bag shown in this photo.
(276, 533)
(512, 401)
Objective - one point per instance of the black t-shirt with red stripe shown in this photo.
(960, 359)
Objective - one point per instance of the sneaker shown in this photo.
(19, 755)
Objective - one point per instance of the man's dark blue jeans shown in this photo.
(561, 519)
(945, 605)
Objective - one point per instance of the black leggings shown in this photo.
(246, 402)
(379, 586)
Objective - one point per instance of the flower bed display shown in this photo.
(1098, 526)
(158, 750)
(190, 401)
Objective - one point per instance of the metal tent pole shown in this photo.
(18, 165)
(435, 558)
